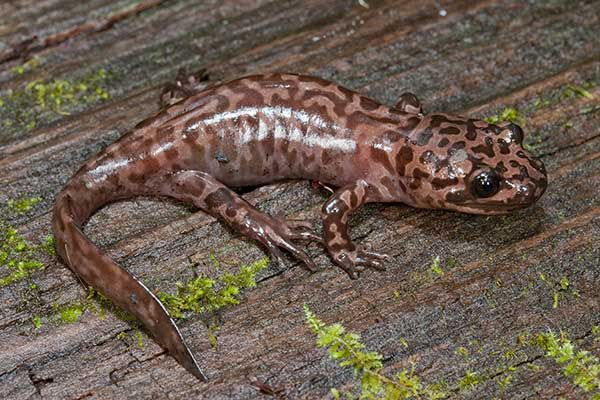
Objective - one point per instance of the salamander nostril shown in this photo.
(541, 167)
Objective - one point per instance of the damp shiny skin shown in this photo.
(266, 128)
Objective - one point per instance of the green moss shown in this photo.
(567, 91)
(96, 304)
(509, 354)
(541, 103)
(59, 94)
(26, 107)
(36, 320)
(534, 367)
(214, 261)
(462, 351)
(49, 245)
(573, 90)
(346, 348)
(204, 294)
(507, 114)
(560, 289)
(596, 331)
(139, 338)
(22, 205)
(580, 366)
(70, 313)
(435, 267)
(469, 381)
(198, 295)
(130, 338)
(99, 305)
(212, 338)
(27, 66)
(19, 258)
(505, 382)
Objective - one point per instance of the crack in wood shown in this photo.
(38, 383)
(35, 44)
(579, 143)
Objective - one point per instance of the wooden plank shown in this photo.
(483, 56)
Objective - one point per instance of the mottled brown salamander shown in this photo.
(266, 128)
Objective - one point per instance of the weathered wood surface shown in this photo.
(482, 56)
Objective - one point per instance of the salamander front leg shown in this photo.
(336, 212)
(275, 233)
(409, 103)
(185, 85)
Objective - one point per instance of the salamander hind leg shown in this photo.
(185, 85)
(336, 211)
(205, 192)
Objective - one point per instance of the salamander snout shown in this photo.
(474, 166)
(515, 179)
(538, 179)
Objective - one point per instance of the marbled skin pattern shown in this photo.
(261, 129)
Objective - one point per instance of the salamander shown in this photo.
(266, 128)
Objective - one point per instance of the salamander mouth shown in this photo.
(496, 207)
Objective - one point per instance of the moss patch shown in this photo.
(580, 366)
(197, 295)
(36, 320)
(469, 381)
(27, 66)
(70, 313)
(462, 351)
(561, 289)
(435, 267)
(434, 272)
(574, 90)
(132, 338)
(39, 100)
(95, 303)
(99, 305)
(23, 205)
(347, 349)
(204, 294)
(562, 93)
(507, 114)
(19, 258)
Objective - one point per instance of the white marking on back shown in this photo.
(162, 147)
(274, 117)
(100, 173)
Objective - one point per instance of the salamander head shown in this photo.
(471, 166)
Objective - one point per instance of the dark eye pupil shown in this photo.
(486, 184)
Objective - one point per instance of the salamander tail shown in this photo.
(73, 207)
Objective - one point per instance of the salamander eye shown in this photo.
(516, 133)
(485, 184)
